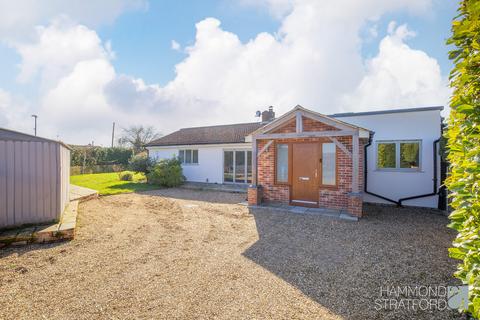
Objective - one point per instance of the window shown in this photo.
(188, 156)
(237, 166)
(399, 155)
(329, 170)
(386, 155)
(228, 166)
(282, 163)
(410, 155)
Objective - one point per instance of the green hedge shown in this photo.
(91, 156)
(463, 145)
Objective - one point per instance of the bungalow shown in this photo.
(306, 158)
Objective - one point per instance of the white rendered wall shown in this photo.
(424, 126)
(210, 160)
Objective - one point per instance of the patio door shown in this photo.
(305, 173)
(237, 166)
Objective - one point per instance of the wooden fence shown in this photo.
(76, 170)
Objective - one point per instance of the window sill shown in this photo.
(327, 187)
(400, 170)
(189, 164)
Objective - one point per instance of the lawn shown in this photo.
(109, 183)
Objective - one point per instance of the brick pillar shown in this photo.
(355, 204)
(254, 195)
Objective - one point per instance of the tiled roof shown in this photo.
(233, 133)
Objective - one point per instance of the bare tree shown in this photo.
(137, 137)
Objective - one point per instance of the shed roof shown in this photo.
(11, 135)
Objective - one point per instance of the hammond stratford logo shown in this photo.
(425, 298)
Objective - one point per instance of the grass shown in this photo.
(109, 183)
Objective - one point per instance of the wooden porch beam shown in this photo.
(309, 134)
(299, 122)
(355, 160)
(265, 147)
(341, 146)
(254, 161)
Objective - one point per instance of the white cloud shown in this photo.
(56, 49)
(313, 59)
(175, 45)
(399, 76)
(12, 111)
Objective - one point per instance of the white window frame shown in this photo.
(234, 170)
(397, 155)
(191, 157)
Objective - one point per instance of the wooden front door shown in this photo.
(305, 173)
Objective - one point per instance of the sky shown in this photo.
(81, 65)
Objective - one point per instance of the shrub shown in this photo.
(140, 163)
(126, 175)
(167, 173)
(464, 149)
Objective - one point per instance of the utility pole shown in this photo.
(35, 117)
(113, 133)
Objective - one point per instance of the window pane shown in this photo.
(181, 156)
(329, 165)
(228, 166)
(240, 166)
(386, 155)
(195, 156)
(249, 166)
(410, 155)
(188, 156)
(282, 162)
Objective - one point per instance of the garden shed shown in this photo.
(34, 179)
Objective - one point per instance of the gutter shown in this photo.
(435, 178)
(365, 175)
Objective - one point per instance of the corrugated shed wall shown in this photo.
(64, 155)
(32, 187)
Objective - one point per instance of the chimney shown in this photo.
(269, 115)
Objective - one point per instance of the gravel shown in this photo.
(182, 254)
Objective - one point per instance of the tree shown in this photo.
(463, 145)
(136, 137)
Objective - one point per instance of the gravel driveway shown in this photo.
(198, 254)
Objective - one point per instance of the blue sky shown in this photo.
(244, 55)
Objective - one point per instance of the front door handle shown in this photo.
(304, 178)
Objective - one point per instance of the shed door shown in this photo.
(305, 173)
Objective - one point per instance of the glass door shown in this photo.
(228, 166)
(240, 166)
(237, 166)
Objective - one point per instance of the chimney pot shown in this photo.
(268, 115)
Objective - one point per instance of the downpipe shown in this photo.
(365, 175)
(435, 177)
(399, 202)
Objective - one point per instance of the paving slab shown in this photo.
(337, 214)
(64, 230)
(81, 193)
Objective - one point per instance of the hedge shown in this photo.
(464, 148)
